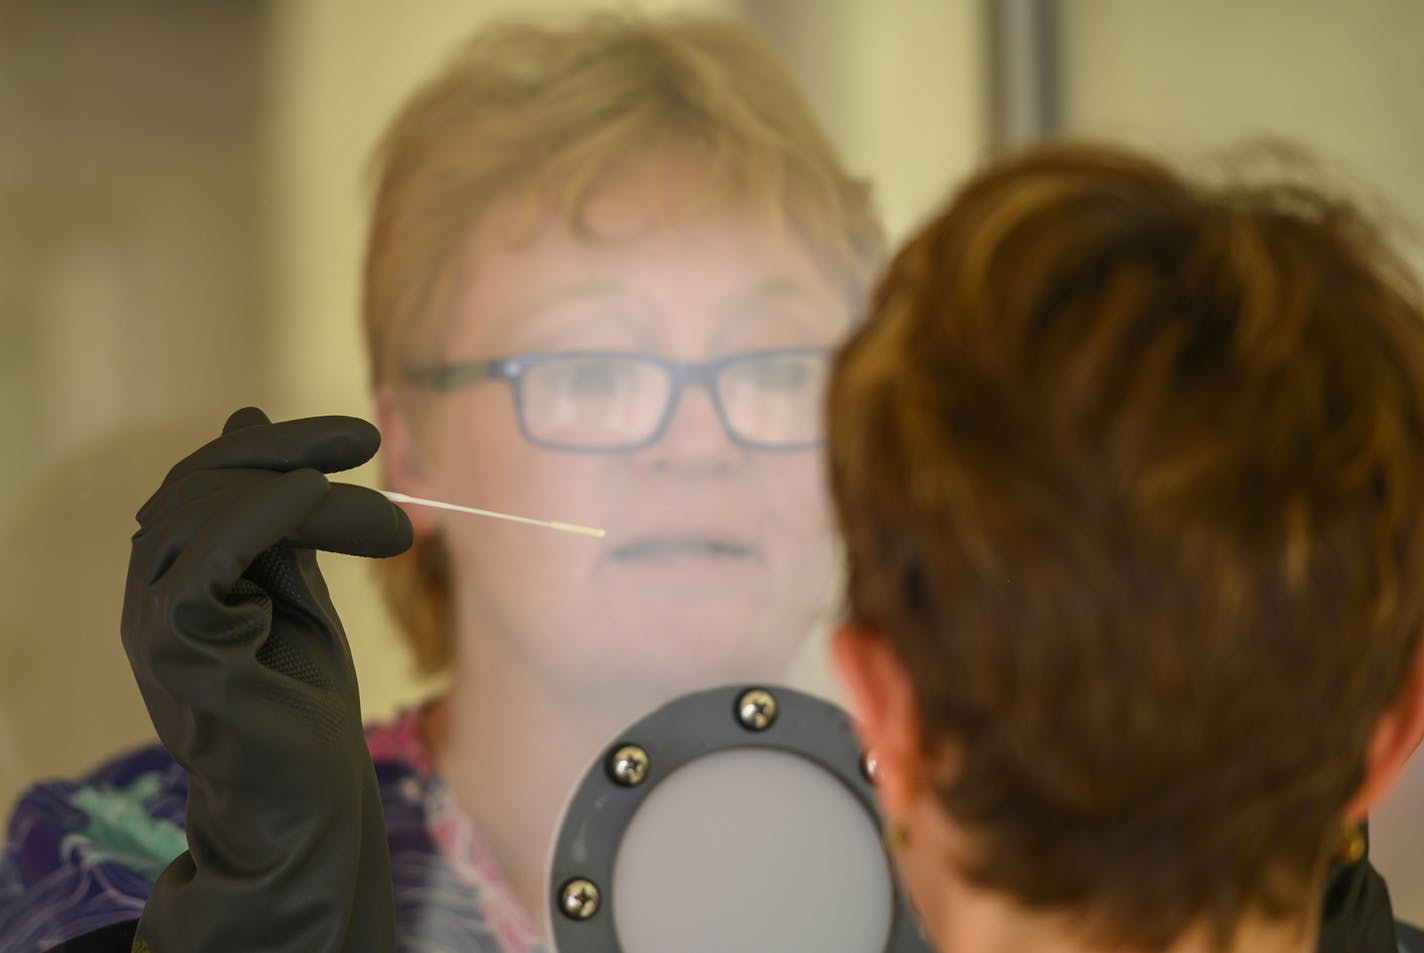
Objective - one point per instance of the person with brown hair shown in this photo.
(607, 264)
(1130, 471)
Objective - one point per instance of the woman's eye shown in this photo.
(779, 374)
(595, 378)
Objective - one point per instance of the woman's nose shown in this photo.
(695, 438)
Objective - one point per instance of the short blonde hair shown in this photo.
(547, 110)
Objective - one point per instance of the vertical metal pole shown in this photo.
(1024, 66)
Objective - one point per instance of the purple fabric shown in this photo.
(82, 854)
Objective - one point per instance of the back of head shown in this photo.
(1131, 472)
(543, 113)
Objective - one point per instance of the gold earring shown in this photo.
(895, 835)
(1351, 849)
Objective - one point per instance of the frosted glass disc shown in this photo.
(752, 849)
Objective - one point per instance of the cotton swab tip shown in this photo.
(575, 528)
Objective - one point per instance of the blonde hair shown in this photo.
(546, 111)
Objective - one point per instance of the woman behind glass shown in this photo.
(607, 263)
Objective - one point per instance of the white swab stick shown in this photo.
(436, 504)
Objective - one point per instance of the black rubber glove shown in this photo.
(247, 676)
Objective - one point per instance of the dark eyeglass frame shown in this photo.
(684, 374)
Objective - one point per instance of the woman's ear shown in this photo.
(885, 711)
(402, 466)
(1396, 736)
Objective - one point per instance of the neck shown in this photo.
(971, 919)
(511, 747)
(960, 916)
(997, 936)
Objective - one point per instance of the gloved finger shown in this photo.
(356, 521)
(245, 417)
(154, 506)
(205, 549)
(193, 487)
(352, 520)
(328, 444)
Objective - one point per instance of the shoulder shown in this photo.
(79, 854)
(399, 742)
(410, 790)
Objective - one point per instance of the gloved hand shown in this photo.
(247, 676)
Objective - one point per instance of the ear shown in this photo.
(402, 466)
(885, 711)
(1397, 734)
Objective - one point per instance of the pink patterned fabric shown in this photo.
(454, 834)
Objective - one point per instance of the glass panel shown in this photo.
(184, 231)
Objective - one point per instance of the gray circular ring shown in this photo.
(601, 809)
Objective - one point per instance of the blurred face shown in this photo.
(718, 557)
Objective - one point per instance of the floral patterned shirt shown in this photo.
(80, 855)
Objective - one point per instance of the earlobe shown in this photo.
(402, 466)
(1396, 736)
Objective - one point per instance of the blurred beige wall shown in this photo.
(132, 319)
(1342, 78)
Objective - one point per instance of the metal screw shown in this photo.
(869, 766)
(756, 709)
(629, 765)
(579, 899)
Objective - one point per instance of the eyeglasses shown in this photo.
(606, 401)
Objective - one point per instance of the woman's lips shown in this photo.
(652, 549)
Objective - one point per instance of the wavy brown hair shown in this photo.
(1131, 474)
